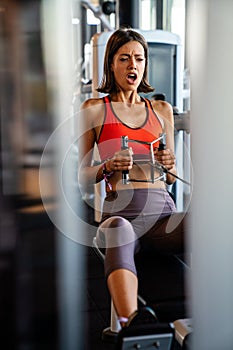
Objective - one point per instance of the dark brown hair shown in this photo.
(116, 40)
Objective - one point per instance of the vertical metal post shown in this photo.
(127, 13)
(159, 14)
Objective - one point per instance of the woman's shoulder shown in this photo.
(92, 111)
(161, 105)
(92, 102)
(163, 108)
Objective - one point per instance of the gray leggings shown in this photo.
(136, 220)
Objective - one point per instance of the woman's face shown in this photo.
(128, 66)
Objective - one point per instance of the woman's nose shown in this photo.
(132, 63)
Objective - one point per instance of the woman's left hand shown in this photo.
(165, 157)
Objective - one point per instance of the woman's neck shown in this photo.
(129, 97)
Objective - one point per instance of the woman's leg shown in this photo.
(167, 236)
(120, 270)
(123, 287)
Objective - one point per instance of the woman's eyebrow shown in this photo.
(128, 55)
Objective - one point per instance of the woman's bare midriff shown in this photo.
(134, 175)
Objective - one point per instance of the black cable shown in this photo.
(165, 170)
(179, 178)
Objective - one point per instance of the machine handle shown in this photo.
(162, 146)
(162, 142)
(125, 173)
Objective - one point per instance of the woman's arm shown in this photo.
(89, 117)
(167, 156)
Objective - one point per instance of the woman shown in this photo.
(135, 214)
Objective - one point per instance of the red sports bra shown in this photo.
(113, 128)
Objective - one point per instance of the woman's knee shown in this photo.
(115, 231)
(114, 222)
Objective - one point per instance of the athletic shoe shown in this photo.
(144, 315)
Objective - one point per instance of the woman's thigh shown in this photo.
(167, 235)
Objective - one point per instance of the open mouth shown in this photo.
(131, 77)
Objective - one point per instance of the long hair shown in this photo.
(116, 40)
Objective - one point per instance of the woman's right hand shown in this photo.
(122, 160)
